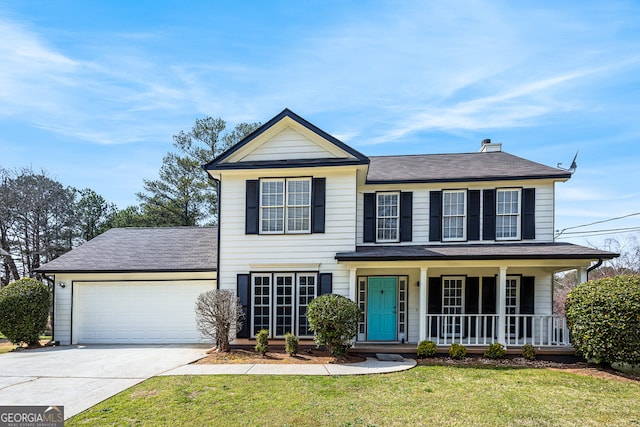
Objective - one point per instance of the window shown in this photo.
(387, 217)
(452, 303)
(453, 215)
(280, 302)
(285, 205)
(508, 214)
(511, 303)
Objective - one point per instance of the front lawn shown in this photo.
(426, 395)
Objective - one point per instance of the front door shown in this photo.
(381, 309)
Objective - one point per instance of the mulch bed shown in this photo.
(309, 356)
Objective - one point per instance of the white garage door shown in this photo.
(136, 312)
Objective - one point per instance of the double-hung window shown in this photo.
(285, 205)
(388, 217)
(454, 215)
(508, 214)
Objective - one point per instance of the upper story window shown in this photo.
(285, 205)
(507, 214)
(388, 217)
(454, 215)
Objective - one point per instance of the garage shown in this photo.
(136, 312)
(133, 286)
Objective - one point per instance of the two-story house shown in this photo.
(448, 247)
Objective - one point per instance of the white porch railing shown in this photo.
(482, 329)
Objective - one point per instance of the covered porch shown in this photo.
(474, 295)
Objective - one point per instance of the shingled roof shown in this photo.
(486, 166)
(168, 249)
(557, 250)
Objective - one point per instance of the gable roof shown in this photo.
(219, 162)
(487, 166)
(168, 249)
(555, 250)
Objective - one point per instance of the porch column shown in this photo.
(422, 304)
(353, 285)
(502, 311)
(583, 275)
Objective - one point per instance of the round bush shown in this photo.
(528, 352)
(427, 349)
(457, 351)
(334, 319)
(604, 319)
(495, 351)
(24, 310)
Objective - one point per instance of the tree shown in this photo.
(604, 318)
(217, 311)
(94, 213)
(183, 194)
(129, 217)
(24, 310)
(334, 319)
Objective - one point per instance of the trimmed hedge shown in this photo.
(604, 318)
(457, 351)
(24, 310)
(495, 351)
(426, 349)
(334, 319)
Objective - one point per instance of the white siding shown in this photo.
(238, 251)
(544, 209)
(288, 144)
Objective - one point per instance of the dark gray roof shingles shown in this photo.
(556, 250)
(457, 168)
(144, 250)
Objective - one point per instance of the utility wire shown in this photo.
(594, 223)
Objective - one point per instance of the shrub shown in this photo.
(334, 319)
(217, 311)
(457, 351)
(427, 349)
(262, 344)
(495, 351)
(291, 344)
(604, 318)
(24, 311)
(528, 352)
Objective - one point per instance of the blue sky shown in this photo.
(93, 91)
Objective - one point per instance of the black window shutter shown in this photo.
(527, 295)
(489, 214)
(406, 216)
(435, 216)
(243, 291)
(252, 207)
(318, 203)
(527, 304)
(528, 213)
(472, 290)
(473, 218)
(435, 302)
(326, 283)
(489, 295)
(369, 223)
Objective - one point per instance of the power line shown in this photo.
(600, 233)
(594, 223)
(610, 230)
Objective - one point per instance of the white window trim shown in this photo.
(285, 206)
(273, 303)
(464, 217)
(458, 322)
(386, 193)
(518, 285)
(518, 216)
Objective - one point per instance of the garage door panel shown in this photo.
(137, 312)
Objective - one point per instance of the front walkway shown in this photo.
(369, 366)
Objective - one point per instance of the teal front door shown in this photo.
(381, 309)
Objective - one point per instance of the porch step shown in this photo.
(389, 357)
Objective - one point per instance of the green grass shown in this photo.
(427, 395)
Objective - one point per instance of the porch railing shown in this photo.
(483, 329)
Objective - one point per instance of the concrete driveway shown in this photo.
(78, 377)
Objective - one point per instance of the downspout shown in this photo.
(218, 191)
(594, 266)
